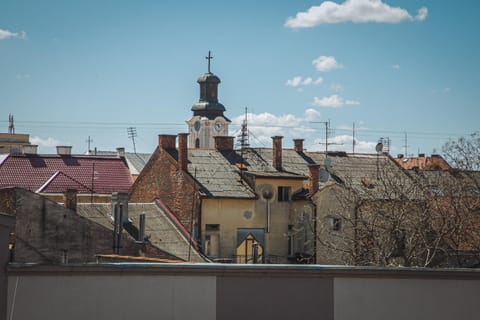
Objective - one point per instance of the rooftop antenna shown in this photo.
(132, 133)
(406, 144)
(328, 132)
(243, 136)
(89, 140)
(385, 141)
(11, 126)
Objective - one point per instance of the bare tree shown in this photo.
(387, 220)
(464, 153)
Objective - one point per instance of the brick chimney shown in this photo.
(70, 199)
(223, 143)
(182, 151)
(166, 141)
(298, 144)
(313, 176)
(277, 152)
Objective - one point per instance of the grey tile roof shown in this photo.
(217, 174)
(136, 161)
(160, 230)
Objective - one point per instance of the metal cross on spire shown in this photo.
(209, 58)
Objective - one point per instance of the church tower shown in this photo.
(208, 120)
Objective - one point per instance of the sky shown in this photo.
(406, 71)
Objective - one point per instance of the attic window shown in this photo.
(367, 183)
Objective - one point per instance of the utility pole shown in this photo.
(132, 133)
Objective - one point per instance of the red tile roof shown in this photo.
(55, 173)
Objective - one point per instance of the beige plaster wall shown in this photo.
(400, 299)
(112, 297)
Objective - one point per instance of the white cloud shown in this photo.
(48, 143)
(396, 66)
(265, 125)
(357, 11)
(333, 101)
(344, 143)
(422, 14)
(312, 115)
(326, 63)
(294, 82)
(298, 81)
(307, 81)
(319, 81)
(5, 34)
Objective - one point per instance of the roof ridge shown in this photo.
(55, 175)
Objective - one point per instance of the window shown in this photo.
(197, 143)
(336, 224)
(283, 194)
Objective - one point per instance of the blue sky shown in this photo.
(74, 69)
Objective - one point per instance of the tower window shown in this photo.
(197, 143)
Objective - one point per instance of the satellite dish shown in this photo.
(324, 175)
(327, 162)
(265, 191)
(379, 147)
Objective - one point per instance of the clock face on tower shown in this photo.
(218, 126)
(196, 125)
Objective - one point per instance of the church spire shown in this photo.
(208, 105)
(209, 58)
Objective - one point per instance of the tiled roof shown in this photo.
(135, 161)
(217, 174)
(159, 229)
(55, 173)
(435, 162)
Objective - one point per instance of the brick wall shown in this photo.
(161, 178)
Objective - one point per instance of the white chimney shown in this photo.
(30, 149)
(64, 150)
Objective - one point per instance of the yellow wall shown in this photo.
(230, 215)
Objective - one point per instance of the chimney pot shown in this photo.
(64, 150)
(70, 199)
(121, 152)
(298, 143)
(277, 152)
(313, 176)
(183, 151)
(166, 141)
(30, 149)
(223, 143)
